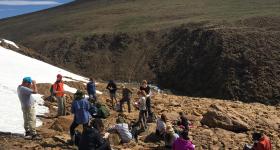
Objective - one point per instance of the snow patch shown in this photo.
(14, 67)
(10, 42)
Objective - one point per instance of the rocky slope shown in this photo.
(227, 51)
(207, 131)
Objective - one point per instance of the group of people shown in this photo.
(175, 134)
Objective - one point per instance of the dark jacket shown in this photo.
(91, 88)
(112, 87)
(92, 140)
(184, 122)
(126, 93)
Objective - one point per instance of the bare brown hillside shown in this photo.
(207, 132)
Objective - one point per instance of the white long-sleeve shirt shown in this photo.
(123, 130)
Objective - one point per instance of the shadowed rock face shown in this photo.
(221, 62)
(224, 63)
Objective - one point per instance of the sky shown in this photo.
(9, 8)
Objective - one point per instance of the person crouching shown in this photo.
(80, 109)
(122, 129)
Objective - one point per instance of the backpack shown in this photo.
(51, 89)
(103, 111)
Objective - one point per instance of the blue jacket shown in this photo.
(80, 109)
(91, 89)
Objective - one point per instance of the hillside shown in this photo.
(214, 124)
(211, 48)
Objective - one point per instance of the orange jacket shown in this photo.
(58, 87)
(263, 144)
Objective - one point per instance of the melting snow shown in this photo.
(14, 67)
(11, 43)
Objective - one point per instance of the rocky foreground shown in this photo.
(216, 124)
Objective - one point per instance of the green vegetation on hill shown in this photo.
(225, 49)
(106, 16)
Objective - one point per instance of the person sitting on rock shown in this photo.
(183, 142)
(170, 136)
(122, 129)
(161, 125)
(126, 98)
(183, 121)
(261, 142)
(80, 109)
(92, 138)
(142, 110)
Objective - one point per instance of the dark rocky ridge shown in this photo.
(221, 62)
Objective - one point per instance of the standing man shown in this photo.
(126, 98)
(112, 87)
(80, 109)
(91, 90)
(58, 91)
(146, 88)
(25, 91)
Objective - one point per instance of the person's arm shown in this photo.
(34, 87)
(150, 92)
(129, 91)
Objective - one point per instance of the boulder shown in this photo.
(217, 117)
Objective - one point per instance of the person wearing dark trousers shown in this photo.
(126, 98)
(112, 87)
(146, 88)
(91, 90)
(80, 109)
(92, 138)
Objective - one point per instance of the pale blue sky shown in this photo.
(9, 8)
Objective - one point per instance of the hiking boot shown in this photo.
(28, 135)
(36, 137)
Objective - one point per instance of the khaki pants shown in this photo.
(29, 118)
(61, 106)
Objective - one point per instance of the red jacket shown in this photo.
(58, 86)
(263, 144)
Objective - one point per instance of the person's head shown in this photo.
(169, 129)
(144, 83)
(97, 124)
(58, 77)
(163, 118)
(91, 79)
(27, 81)
(181, 114)
(185, 135)
(256, 136)
(120, 120)
(79, 95)
(111, 81)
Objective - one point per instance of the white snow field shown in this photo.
(14, 67)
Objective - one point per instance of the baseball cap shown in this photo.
(27, 79)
